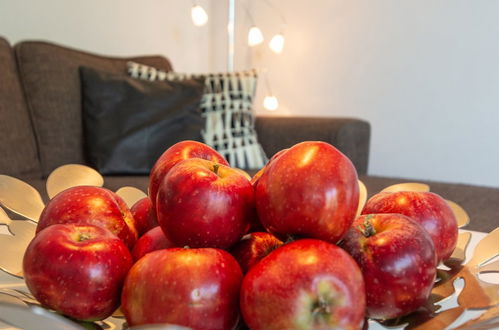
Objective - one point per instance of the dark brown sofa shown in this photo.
(41, 125)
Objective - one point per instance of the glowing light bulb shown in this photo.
(270, 103)
(276, 44)
(199, 15)
(255, 36)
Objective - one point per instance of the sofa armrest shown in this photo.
(350, 135)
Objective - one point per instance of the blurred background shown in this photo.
(425, 74)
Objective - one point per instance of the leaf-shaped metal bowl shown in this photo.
(20, 197)
(72, 175)
(448, 306)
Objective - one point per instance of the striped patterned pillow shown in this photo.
(227, 106)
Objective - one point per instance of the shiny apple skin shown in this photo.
(310, 190)
(256, 225)
(254, 247)
(197, 288)
(91, 205)
(144, 215)
(258, 174)
(398, 263)
(153, 240)
(428, 209)
(305, 284)
(80, 279)
(200, 208)
(176, 153)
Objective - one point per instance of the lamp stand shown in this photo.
(231, 34)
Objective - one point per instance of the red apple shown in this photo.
(428, 209)
(254, 247)
(176, 153)
(90, 205)
(398, 261)
(153, 240)
(256, 225)
(204, 204)
(306, 284)
(77, 270)
(258, 174)
(310, 190)
(144, 215)
(197, 288)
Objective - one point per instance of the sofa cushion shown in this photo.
(18, 154)
(227, 106)
(51, 82)
(129, 123)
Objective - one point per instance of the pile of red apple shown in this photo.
(210, 246)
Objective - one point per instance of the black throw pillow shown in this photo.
(128, 123)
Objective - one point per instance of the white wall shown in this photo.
(113, 27)
(219, 42)
(425, 74)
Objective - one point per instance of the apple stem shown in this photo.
(368, 229)
(83, 237)
(321, 310)
(290, 239)
(215, 168)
